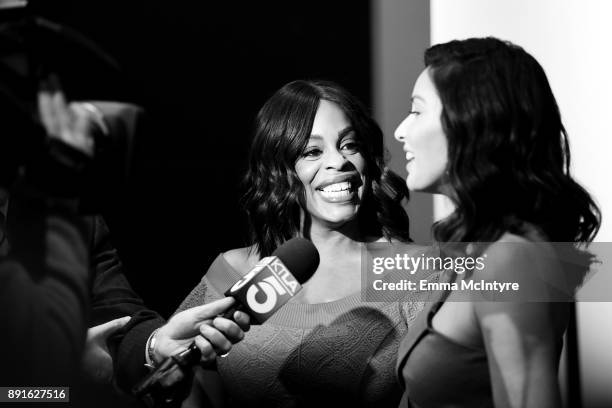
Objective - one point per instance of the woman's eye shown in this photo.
(351, 146)
(413, 112)
(312, 152)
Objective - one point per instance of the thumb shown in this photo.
(106, 329)
(211, 310)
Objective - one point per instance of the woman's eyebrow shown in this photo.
(344, 132)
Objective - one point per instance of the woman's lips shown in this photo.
(409, 162)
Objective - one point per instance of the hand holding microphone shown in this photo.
(212, 334)
(193, 336)
(259, 294)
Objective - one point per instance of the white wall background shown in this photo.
(572, 40)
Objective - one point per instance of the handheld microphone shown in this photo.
(260, 293)
(274, 280)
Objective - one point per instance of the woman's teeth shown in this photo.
(337, 191)
(345, 185)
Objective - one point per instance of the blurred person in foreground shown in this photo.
(59, 271)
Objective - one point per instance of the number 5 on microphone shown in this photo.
(266, 288)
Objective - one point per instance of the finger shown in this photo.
(212, 309)
(106, 329)
(82, 128)
(219, 342)
(48, 87)
(229, 329)
(207, 350)
(52, 87)
(243, 320)
(45, 112)
(63, 116)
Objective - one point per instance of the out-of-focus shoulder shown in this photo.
(242, 259)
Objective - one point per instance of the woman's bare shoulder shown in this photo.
(242, 259)
(532, 266)
(514, 252)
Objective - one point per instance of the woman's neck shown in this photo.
(330, 239)
(338, 274)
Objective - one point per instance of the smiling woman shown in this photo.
(316, 170)
(332, 168)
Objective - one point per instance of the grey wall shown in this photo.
(400, 34)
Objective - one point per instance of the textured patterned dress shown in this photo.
(340, 353)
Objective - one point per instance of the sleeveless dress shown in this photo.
(340, 353)
(436, 371)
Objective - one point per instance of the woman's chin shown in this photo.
(339, 219)
(416, 186)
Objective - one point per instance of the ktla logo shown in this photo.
(268, 286)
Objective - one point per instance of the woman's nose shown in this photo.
(335, 159)
(400, 132)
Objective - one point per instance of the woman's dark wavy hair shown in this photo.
(274, 196)
(508, 152)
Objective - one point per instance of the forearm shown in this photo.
(128, 348)
(535, 387)
(523, 351)
(113, 297)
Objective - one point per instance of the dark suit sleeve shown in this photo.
(112, 297)
(44, 302)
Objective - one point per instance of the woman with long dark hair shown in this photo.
(316, 170)
(485, 131)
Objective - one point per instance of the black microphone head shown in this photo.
(299, 256)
